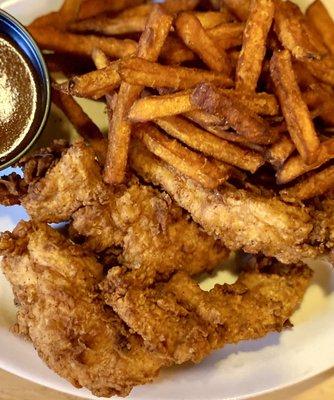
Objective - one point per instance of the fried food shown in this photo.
(242, 219)
(240, 8)
(90, 8)
(280, 151)
(184, 323)
(149, 47)
(54, 283)
(254, 44)
(295, 111)
(227, 35)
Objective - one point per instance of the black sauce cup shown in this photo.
(16, 32)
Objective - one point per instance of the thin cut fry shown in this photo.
(240, 8)
(295, 166)
(153, 107)
(280, 151)
(141, 72)
(76, 115)
(110, 26)
(322, 100)
(319, 17)
(254, 44)
(210, 19)
(100, 59)
(93, 85)
(322, 69)
(194, 36)
(304, 77)
(295, 111)
(227, 35)
(150, 45)
(242, 120)
(50, 38)
(293, 32)
(315, 185)
(51, 19)
(90, 8)
(189, 163)
(69, 10)
(209, 144)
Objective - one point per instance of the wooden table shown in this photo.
(318, 388)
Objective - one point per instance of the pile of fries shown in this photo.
(213, 88)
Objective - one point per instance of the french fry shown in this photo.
(210, 19)
(280, 151)
(203, 141)
(150, 44)
(293, 32)
(51, 19)
(50, 38)
(314, 185)
(317, 97)
(227, 35)
(240, 8)
(175, 51)
(189, 163)
(194, 36)
(110, 26)
(295, 166)
(69, 10)
(100, 59)
(242, 120)
(137, 71)
(318, 16)
(295, 111)
(92, 85)
(304, 77)
(322, 69)
(254, 44)
(153, 107)
(76, 115)
(90, 8)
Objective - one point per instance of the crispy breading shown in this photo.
(54, 283)
(242, 219)
(183, 322)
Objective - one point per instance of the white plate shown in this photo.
(241, 371)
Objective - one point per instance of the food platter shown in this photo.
(240, 371)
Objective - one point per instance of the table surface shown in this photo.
(14, 388)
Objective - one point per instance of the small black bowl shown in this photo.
(11, 28)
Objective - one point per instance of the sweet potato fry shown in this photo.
(242, 120)
(140, 72)
(93, 85)
(69, 10)
(295, 111)
(210, 19)
(153, 107)
(239, 8)
(254, 44)
(280, 151)
(314, 185)
(149, 47)
(175, 51)
(189, 163)
(195, 37)
(110, 26)
(293, 32)
(90, 8)
(209, 144)
(295, 166)
(50, 38)
(227, 35)
(318, 16)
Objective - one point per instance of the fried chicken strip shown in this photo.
(54, 283)
(241, 219)
(184, 323)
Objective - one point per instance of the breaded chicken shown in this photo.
(185, 323)
(85, 342)
(151, 233)
(240, 218)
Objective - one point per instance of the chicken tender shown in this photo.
(85, 342)
(240, 218)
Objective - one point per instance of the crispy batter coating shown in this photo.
(85, 342)
(243, 220)
(183, 322)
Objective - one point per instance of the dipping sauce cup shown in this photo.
(24, 91)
